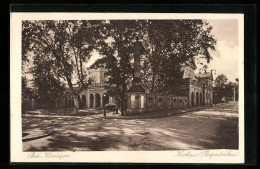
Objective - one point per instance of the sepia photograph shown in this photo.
(124, 84)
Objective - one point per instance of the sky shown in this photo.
(225, 57)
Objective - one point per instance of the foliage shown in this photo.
(118, 54)
(27, 92)
(64, 46)
(48, 87)
(221, 80)
(169, 44)
(225, 88)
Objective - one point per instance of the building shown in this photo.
(93, 97)
(194, 90)
(198, 87)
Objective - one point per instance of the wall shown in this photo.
(138, 103)
(98, 75)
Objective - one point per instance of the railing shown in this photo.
(97, 85)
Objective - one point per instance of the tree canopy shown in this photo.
(167, 44)
(225, 88)
(64, 47)
(117, 55)
(170, 43)
(221, 80)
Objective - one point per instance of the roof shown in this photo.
(191, 63)
(204, 75)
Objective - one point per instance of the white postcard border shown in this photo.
(187, 156)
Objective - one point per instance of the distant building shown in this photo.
(93, 96)
(198, 87)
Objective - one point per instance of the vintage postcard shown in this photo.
(127, 87)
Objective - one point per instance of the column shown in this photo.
(94, 100)
(137, 88)
(136, 83)
(101, 101)
(190, 96)
(88, 100)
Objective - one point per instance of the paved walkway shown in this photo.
(65, 112)
(214, 127)
(156, 114)
(113, 115)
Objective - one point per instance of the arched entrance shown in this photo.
(200, 99)
(84, 101)
(192, 99)
(197, 98)
(98, 100)
(91, 100)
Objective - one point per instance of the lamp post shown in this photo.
(104, 96)
(215, 99)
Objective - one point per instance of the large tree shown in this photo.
(221, 80)
(220, 86)
(169, 44)
(65, 46)
(117, 51)
(27, 92)
(225, 88)
(47, 87)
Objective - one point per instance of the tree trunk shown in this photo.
(76, 103)
(122, 106)
(123, 100)
(153, 80)
(75, 96)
